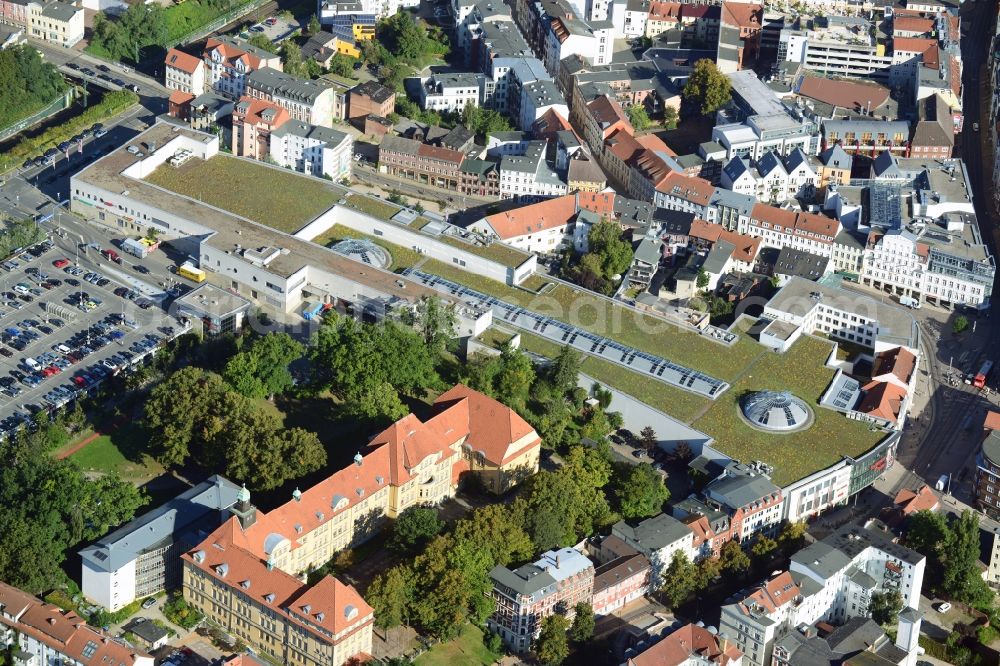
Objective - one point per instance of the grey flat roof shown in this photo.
(799, 296)
(167, 521)
(653, 533)
(331, 137)
(212, 300)
(59, 11)
(836, 551)
(738, 490)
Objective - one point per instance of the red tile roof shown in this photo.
(665, 11)
(495, 430)
(232, 54)
(747, 247)
(623, 145)
(899, 362)
(690, 641)
(882, 400)
(223, 557)
(772, 594)
(913, 44)
(923, 499)
(253, 115)
(742, 14)
(182, 61)
(690, 188)
(179, 97)
(912, 24)
(549, 214)
(550, 122)
(823, 229)
(992, 421)
(62, 630)
(608, 115)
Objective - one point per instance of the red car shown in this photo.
(79, 381)
(60, 263)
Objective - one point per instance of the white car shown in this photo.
(943, 607)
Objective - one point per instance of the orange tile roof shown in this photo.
(550, 122)
(690, 188)
(742, 14)
(608, 115)
(549, 214)
(222, 557)
(913, 44)
(179, 97)
(772, 594)
(623, 145)
(913, 24)
(690, 641)
(387, 459)
(257, 107)
(493, 427)
(992, 421)
(882, 400)
(798, 223)
(665, 11)
(182, 61)
(899, 362)
(747, 247)
(653, 142)
(62, 630)
(923, 499)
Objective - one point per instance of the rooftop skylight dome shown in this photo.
(776, 411)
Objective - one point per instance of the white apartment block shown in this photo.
(841, 47)
(658, 538)
(780, 228)
(229, 63)
(318, 151)
(451, 93)
(529, 176)
(832, 581)
(571, 36)
(184, 72)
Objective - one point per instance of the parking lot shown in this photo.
(274, 28)
(63, 329)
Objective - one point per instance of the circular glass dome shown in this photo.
(778, 411)
(364, 251)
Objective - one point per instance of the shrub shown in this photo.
(182, 613)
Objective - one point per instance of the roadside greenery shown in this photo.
(18, 234)
(952, 552)
(114, 102)
(138, 27)
(552, 646)
(28, 84)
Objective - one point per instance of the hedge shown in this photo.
(114, 102)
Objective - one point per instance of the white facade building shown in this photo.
(451, 93)
(319, 151)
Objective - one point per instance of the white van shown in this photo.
(33, 364)
(942, 483)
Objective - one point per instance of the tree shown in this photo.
(342, 65)
(176, 410)
(926, 532)
(670, 117)
(314, 25)
(763, 546)
(262, 370)
(707, 87)
(638, 117)
(961, 577)
(680, 580)
(552, 646)
(605, 241)
(261, 41)
(960, 324)
(582, 629)
(390, 594)
(639, 490)
(484, 122)
(565, 369)
(682, 453)
(885, 606)
(792, 536)
(435, 321)
(291, 59)
(413, 528)
(702, 280)
(733, 559)
(514, 378)
(647, 439)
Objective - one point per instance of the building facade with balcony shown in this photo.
(558, 581)
(228, 63)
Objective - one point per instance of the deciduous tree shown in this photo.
(707, 87)
(582, 629)
(885, 606)
(639, 490)
(413, 528)
(638, 117)
(733, 559)
(680, 580)
(552, 646)
(390, 595)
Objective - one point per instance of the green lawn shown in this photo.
(372, 206)
(123, 451)
(678, 403)
(498, 252)
(276, 198)
(401, 257)
(621, 323)
(795, 455)
(465, 650)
